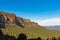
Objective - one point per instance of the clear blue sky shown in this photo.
(32, 9)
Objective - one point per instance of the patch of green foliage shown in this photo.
(31, 32)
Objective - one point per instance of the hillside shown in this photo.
(54, 27)
(15, 25)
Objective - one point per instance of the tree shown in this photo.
(39, 38)
(53, 38)
(58, 38)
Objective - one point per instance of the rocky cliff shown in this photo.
(12, 19)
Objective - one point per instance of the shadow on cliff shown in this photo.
(18, 23)
(2, 21)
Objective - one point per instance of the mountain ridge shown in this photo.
(10, 18)
(54, 27)
(31, 29)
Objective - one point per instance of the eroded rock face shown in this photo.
(10, 19)
(27, 20)
(14, 20)
(33, 24)
(21, 20)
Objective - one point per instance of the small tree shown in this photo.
(58, 38)
(53, 38)
(39, 38)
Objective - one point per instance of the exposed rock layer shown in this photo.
(12, 19)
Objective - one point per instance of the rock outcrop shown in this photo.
(8, 18)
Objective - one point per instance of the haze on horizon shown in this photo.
(44, 12)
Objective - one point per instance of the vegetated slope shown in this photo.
(16, 25)
(31, 32)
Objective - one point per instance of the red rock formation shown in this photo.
(33, 24)
(13, 19)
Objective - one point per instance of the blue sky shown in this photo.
(32, 9)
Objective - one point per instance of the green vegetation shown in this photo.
(31, 32)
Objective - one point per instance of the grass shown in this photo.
(31, 32)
